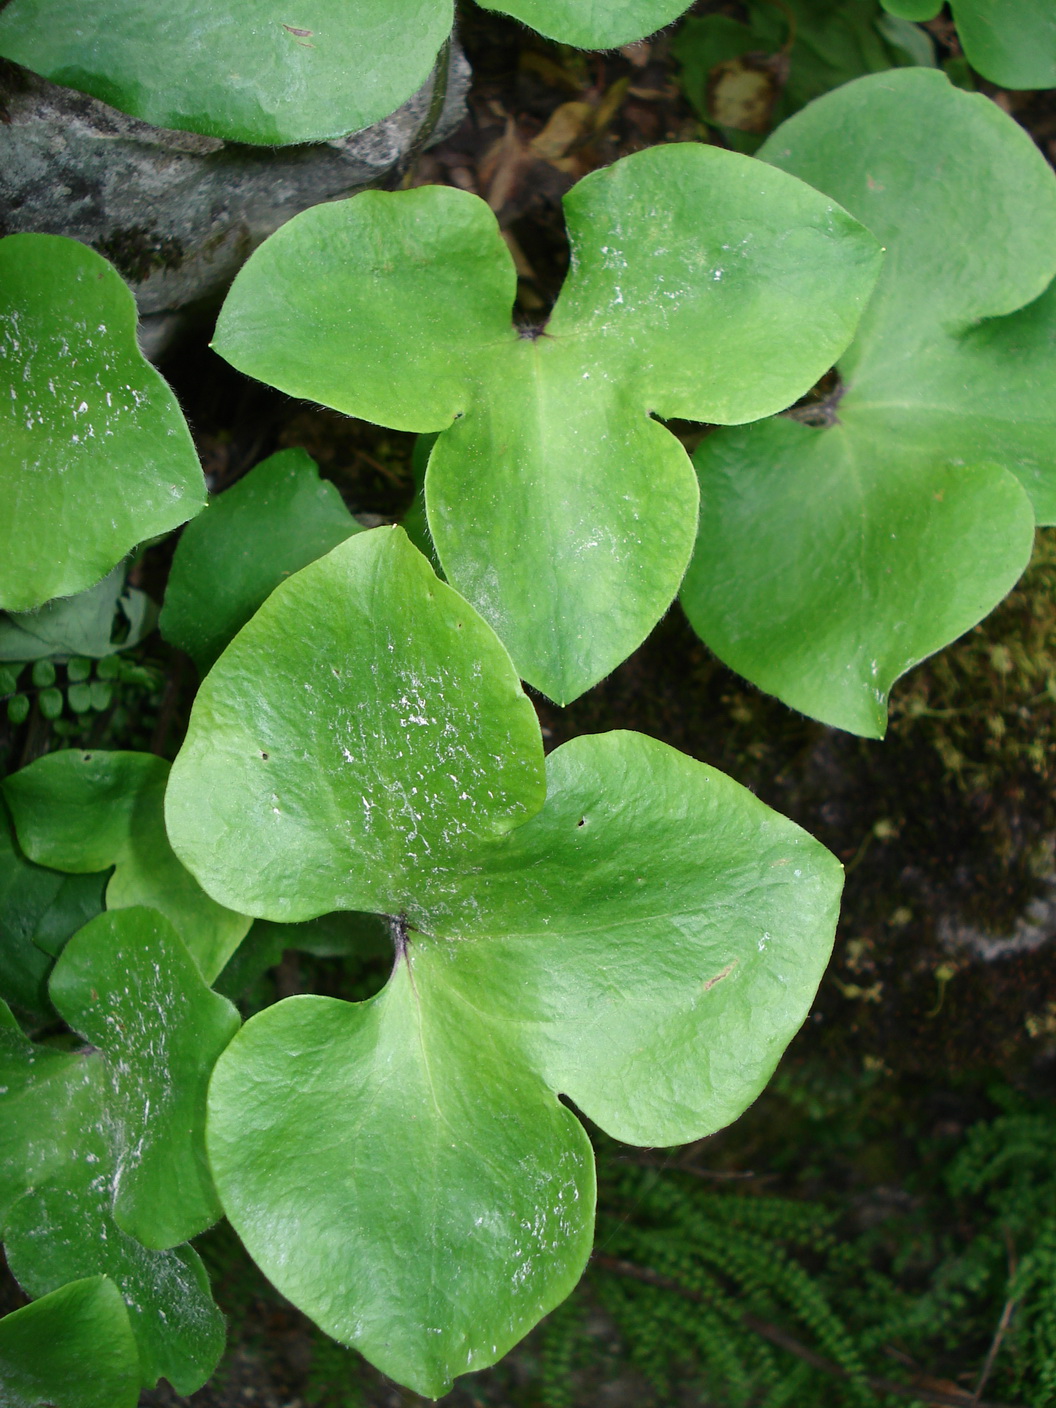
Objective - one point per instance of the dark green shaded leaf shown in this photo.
(270, 524)
(107, 1139)
(832, 42)
(1010, 42)
(70, 1349)
(86, 811)
(18, 709)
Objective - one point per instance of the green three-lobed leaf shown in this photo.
(260, 71)
(702, 285)
(95, 455)
(830, 560)
(103, 1167)
(628, 928)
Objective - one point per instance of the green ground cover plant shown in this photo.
(722, 303)
(537, 959)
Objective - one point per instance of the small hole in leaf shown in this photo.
(582, 821)
(265, 756)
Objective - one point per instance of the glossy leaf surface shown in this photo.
(256, 71)
(1011, 42)
(70, 1349)
(160, 1036)
(701, 285)
(263, 72)
(378, 665)
(86, 811)
(109, 1138)
(830, 560)
(268, 525)
(644, 936)
(95, 455)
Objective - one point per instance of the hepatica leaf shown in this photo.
(1011, 42)
(260, 71)
(274, 521)
(102, 1169)
(702, 285)
(86, 811)
(590, 26)
(251, 71)
(830, 560)
(70, 1349)
(632, 929)
(95, 455)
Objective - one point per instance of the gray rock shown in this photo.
(176, 212)
(1034, 927)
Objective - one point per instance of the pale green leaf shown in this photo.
(701, 285)
(830, 560)
(651, 940)
(593, 24)
(70, 1349)
(414, 1206)
(381, 665)
(274, 521)
(95, 454)
(86, 811)
(645, 941)
(426, 291)
(85, 624)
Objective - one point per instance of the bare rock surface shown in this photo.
(179, 213)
